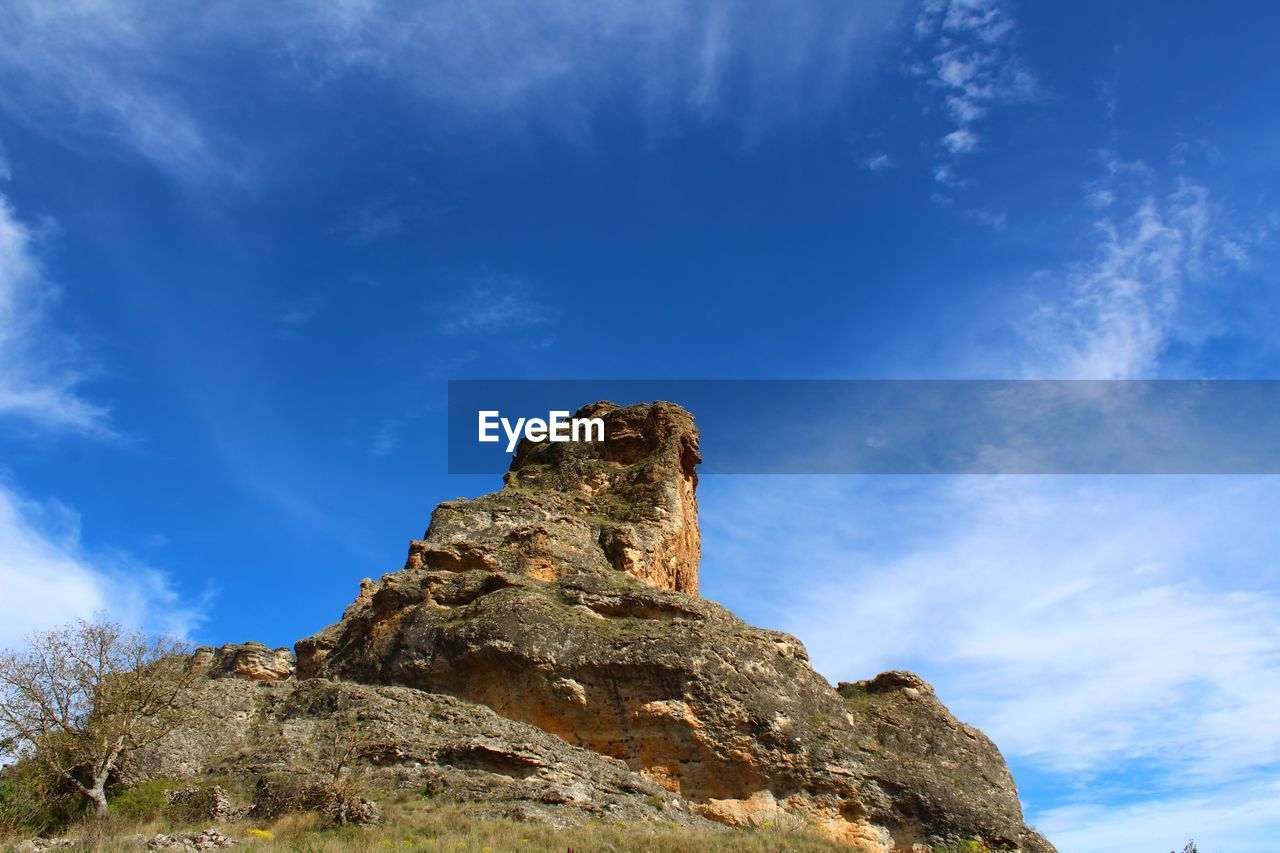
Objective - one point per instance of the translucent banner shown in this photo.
(903, 426)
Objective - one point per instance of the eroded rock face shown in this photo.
(274, 797)
(626, 504)
(249, 661)
(567, 602)
(204, 802)
(288, 734)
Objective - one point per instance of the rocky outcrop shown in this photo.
(544, 650)
(621, 508)
(203, 802)
(249, 661)
(296, 734)
(567, 601)
(949, 775)
(325, 797)
(625, 504)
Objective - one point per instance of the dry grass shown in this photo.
(416, 823)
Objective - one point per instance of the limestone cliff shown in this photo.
(545, 644)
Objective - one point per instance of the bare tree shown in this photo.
(78, 699)
(341, 738)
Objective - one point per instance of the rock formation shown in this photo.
(544, 647)
(251, 660)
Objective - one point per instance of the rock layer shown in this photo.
(250, 661)
(288, 740)
(567, 601)
(625, 504)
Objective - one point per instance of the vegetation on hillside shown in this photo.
(77, 700)
(410, 822)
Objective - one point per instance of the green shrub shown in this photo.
(142, 802)
(21, 807)
(31, 804)
(970, 845)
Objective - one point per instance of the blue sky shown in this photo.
(242, 250)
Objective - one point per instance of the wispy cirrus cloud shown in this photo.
(878, 162)
(386, 436)
(297, 315)
(997, 220)
(86, 70)
(1115, 636)
(370, 222)
(154, 78)
(46, 573)
(40, 371)
(970, 60)
(498, 304)
(1113, 314)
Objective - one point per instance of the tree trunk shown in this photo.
(98, 793)
(98, 796)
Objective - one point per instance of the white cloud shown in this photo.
(997, 220)
(46, 575)
(150, 75)
(1100, 198)
(981, 18)
(497, 304)
(48, 578)
(1110, 631)
(297, 315)
(878, 162)
(39, 379)
(964, 110)
(978, 78)
(386, 436)
(1119, 635)
(371, 222)
(1237, 818)
(1115, 312)
(960, 141)
(974, 66)
(945, 174)
(112, 63)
